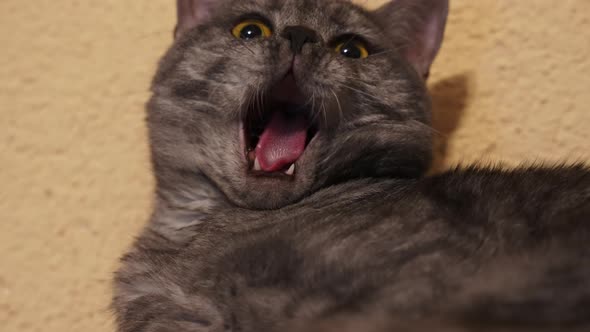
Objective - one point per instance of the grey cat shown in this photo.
(290, 141)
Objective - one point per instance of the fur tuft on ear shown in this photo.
(418, 27)
(192, 13)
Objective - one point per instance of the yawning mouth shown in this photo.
(277, 129)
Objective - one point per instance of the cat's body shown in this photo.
(356, 239)
(473, 246)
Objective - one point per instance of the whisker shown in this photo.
(382, 52)
(212, 92)
(248, 48)
(247, 97)
(202, 103)
(351, 38)
(262, 100)
(429, 127)
(313, 110)
(208, 52)
(197, 77)
(358, 80)
(257, 100)
(359, 91)
(309, 101)
(339, 106)
(324, 112)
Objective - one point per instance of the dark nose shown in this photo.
(298, 36)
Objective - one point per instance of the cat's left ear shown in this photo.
(192, 13)
(418, 27)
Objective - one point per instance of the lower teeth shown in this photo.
(257, 165)
(291, 170)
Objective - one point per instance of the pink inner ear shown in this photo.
(422, 23)
(192, 13)
(427, 45)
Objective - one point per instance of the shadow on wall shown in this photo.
(450, 98)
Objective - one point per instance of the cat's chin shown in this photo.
(272, 193)
(269, 193)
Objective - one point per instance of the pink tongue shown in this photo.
(282, 142)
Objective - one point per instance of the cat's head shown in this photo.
(273, 99)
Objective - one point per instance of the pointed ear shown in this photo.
(192, 13)
(418, 27)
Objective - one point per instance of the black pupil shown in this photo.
(351, 50)
(251, 31)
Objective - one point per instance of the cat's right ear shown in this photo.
(192, 13)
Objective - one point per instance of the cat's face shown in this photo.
(273, 99)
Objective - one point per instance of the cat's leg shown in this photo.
(158, 313)
(152, 294)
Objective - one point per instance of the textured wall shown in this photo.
(512, 84)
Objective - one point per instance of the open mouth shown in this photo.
(277, 129)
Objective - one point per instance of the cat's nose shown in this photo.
(299, 36)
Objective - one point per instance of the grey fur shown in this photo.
(359, 238)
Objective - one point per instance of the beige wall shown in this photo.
(512, 84)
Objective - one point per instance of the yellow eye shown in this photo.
(251, 29)
(353, 49)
